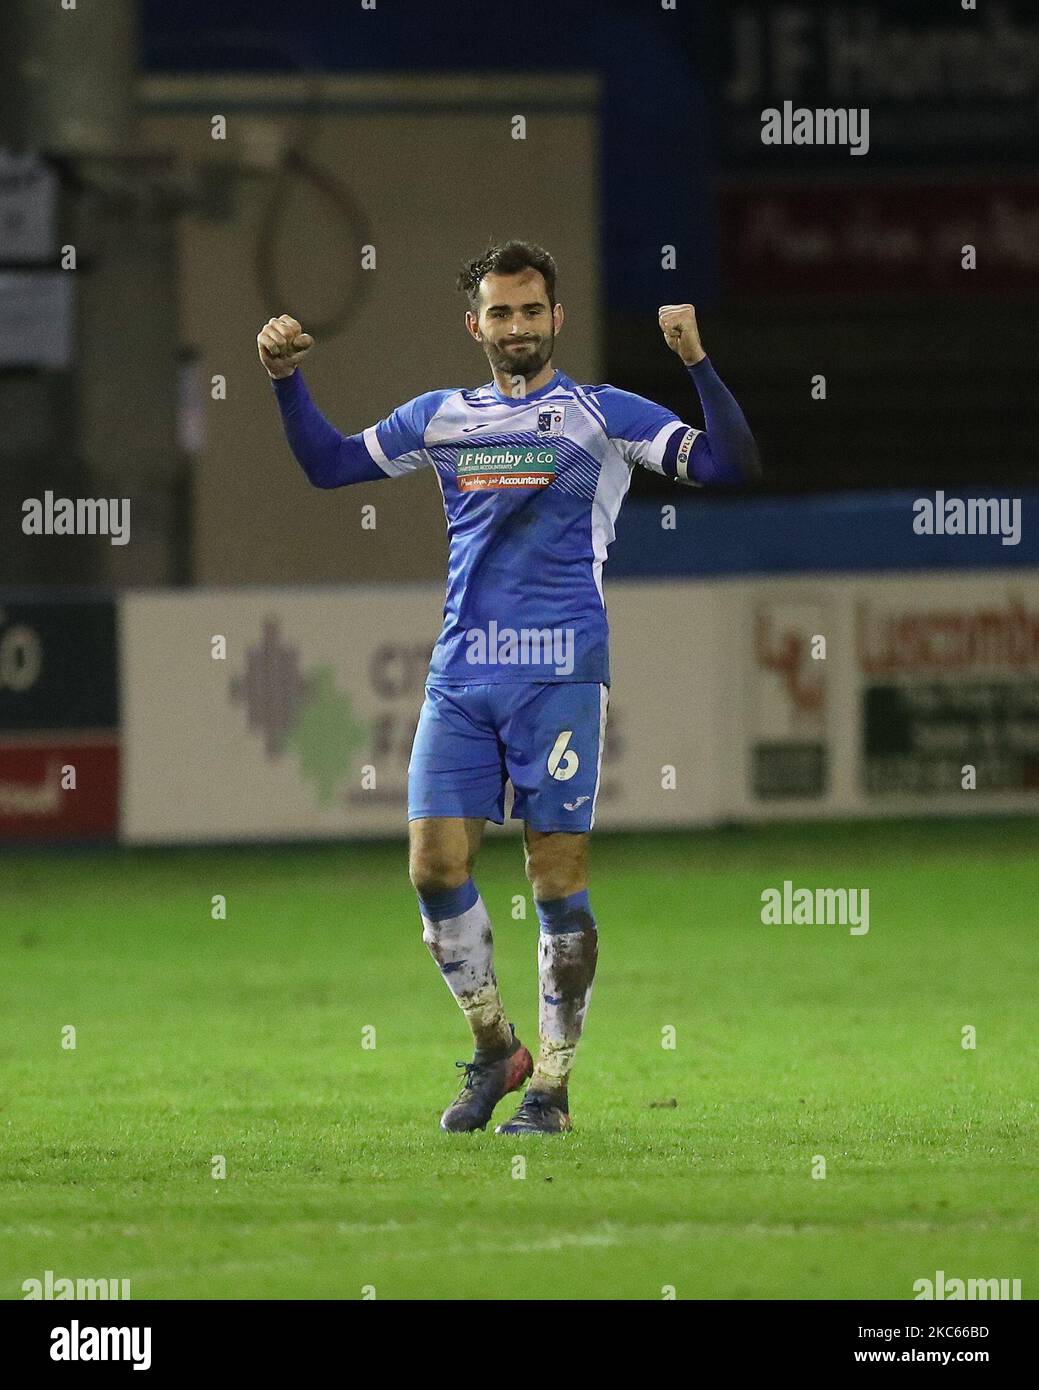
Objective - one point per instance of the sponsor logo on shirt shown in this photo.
(480, 470)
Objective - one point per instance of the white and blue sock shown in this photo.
(568, 944)
(457, 930)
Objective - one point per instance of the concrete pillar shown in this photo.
(68, 76)
(68, 84)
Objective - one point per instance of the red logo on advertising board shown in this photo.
(35, 806)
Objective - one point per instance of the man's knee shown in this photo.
(557, 864)
(436, 866)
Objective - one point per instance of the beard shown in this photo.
(525, 362)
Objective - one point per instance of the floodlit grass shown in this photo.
(689, 1167)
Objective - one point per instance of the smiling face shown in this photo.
(516, 325)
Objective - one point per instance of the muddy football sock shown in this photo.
(457, 930)
(567, 953)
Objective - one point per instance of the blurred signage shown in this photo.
(929, 703)
(34, 804)
(305, 729)
(789, 747)
(58, 665)
(28, 192)
(59, 717)
(938, 80)
(871, 696)
(850, 239)
(949, 693)
(36, 309)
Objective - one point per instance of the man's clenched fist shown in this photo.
(678, 325)
(282, 345)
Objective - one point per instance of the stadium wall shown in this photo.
(284, 713)
(837, 533)
(288, 714)
(285, 204)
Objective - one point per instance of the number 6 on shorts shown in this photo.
(563, 762)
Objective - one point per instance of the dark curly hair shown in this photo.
(507, 259)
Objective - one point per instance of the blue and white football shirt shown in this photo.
(532, 488)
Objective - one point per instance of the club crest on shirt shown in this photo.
(551, 419)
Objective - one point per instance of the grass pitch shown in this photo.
(688, 1167)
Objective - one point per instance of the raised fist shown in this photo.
(678, 325)
(282, 345)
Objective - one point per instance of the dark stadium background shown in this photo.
(930, 376)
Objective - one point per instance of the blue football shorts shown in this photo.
(544, 737)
